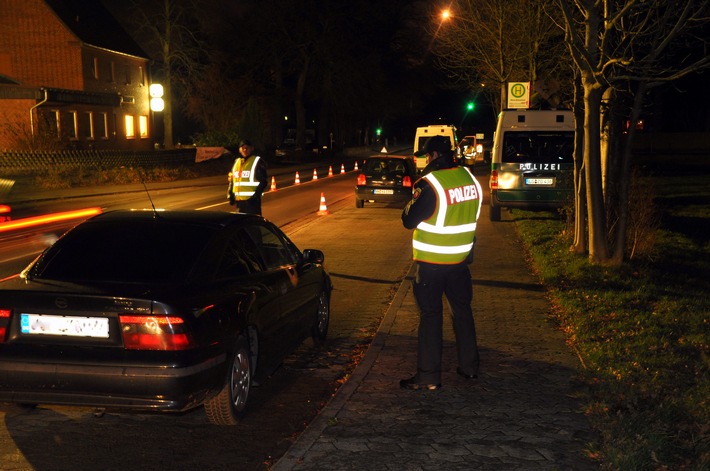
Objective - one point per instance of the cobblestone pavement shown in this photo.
(522, 413)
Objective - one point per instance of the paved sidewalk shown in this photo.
(520, 414)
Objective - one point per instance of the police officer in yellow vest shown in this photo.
(443, 212)
(247, 180)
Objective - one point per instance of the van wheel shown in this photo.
(359, 203)
(494, 213)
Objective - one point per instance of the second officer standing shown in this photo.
(247, 180)
(443, 212)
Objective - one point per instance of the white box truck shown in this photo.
(425, 132)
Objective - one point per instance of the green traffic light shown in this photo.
(470, 106)
(379, 131)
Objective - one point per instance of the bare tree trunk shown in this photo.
(596, 214)
(579, 245)
(167, 86)
(300, 106)
(625, 178)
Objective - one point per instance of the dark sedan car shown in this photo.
(385, 179)
(165, 311)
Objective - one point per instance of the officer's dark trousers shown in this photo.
(250, 206)
(431, 284)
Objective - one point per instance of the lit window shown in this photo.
(101, 126)
(130, 126)
(72, 124)
(143, 126)
(53, 124)
(87, 125)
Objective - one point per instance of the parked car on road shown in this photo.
(159, 311)
(385, 179)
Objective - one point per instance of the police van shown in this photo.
(532, 163)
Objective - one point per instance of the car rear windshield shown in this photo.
(389, 167)
(126, 252)
(538, 146)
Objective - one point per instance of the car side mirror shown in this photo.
(313, 256)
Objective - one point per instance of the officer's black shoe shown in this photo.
(460, 372)
(413, 384)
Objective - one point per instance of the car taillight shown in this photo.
(494, 180)
(361, 179)
(4, 322)
(407, 181)
(155, 333)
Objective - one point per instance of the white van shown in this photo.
(425, 132)
(532, 163)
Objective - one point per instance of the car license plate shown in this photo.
(383, 192)
(72, 326)
(539, 181)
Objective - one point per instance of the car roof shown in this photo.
(390, 157)
(209, 218)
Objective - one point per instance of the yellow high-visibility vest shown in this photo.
(244, 180)
(447, 236)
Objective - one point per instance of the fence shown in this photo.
(104, 159)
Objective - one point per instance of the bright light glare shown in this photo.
(445, 15)
(56, 217)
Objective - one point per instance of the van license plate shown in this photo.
(539, 181)
(384, 192)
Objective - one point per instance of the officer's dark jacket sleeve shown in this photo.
(261, 176)
(422, 205)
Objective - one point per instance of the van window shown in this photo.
(538, 146)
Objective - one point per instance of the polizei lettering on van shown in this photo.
(461, 194)
(533, 166)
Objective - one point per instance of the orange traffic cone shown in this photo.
(355, 165)
(273, 184)
(330, 170)
(298, 180)
(315, 174)
(323, 210)
(342, 168)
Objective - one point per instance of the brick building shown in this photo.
(70, 78)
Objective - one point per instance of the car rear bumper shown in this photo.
(527, 199)
(402, 195)
(139, 388)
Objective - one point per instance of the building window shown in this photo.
(101, 123)
(127, 73)
(113, 72)
(87, 125)
(142, 75)
(95, 68)
(130, 127)
(72, 125)
(143, 126)
(53, 128)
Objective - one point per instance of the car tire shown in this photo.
(359, 203)
(228, 407)
(494, 213)
(320, 327)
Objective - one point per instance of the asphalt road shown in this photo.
(367, 253)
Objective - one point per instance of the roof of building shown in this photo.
(94, 25)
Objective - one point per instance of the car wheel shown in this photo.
(494, 213)
(359, 203)
(227, 407)
(320, 327)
